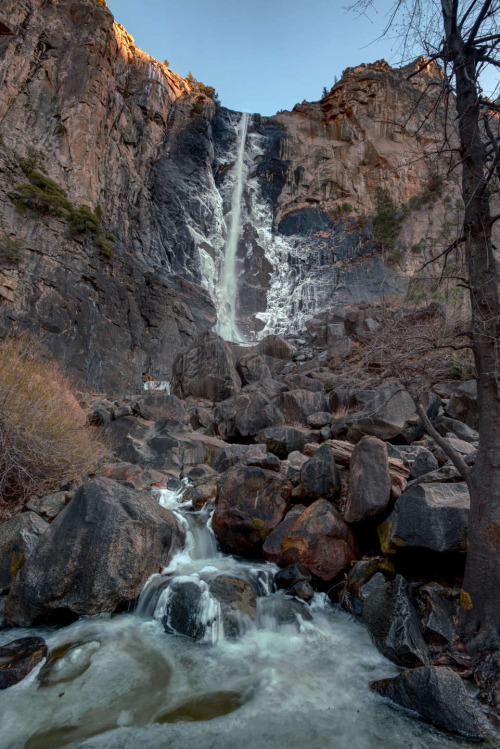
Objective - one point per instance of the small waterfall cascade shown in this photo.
(228, 284)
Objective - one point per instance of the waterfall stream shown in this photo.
(115, 682)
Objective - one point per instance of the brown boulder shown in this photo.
(206, 370)
(250, 503)
(370, 483)
(321, 541)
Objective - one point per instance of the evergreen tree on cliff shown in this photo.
(464, 36)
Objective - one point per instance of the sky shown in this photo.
(260, 55)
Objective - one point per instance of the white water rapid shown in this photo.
(228, 285)
(285, 682)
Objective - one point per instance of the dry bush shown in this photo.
(44, 439)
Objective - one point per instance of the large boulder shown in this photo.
(370, 483)
(463, 404)
(96, 555)
(276, 347)
(244, 415)
(428, 516)
(238, 603)
(438, 696)
(319, 477)
(19, 537)
(321, 541)
(437, 611)
(206, 370)
(393, 623)
(274, 541)
(18, 658)
(284, 440)
(158, 405)
(250, 503)
(252, 368)
(297, 405)
(185, 608)
(387, 412)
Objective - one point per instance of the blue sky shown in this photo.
(260, 55)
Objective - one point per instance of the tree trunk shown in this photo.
(480, 596)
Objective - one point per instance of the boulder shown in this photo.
(387, 412)
(458, 428)
(49, 506)
(206, 370)
(276, 347)
(425, 462)
(268, 387)
(429, 516)
(463, 404)
(302, 590)
(186, 610)
(268, 461)
(19, 536)
(250, 503)
(232, 454)
(244, 415)
(278, 610)
(96, 555)
(319, 477)
(321, 541)
(436, 613)
(438, 696)
(370, 483)
(19, 657)
(393, 623)
(297, 405)
(252, 368)
(274, 541)
(284, 440)
(319, 420)
(289, 576)
(158, 405)
(238, 603)
(303, 382)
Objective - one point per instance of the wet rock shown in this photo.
(275, 346)
(429, 516)
(303, 590)
(321, 541)
(425, 462)
(278, 610)
(206, 370)
(185, 608)
(50, 506)
(161, 406)
(65, 577)
(19, 537)
(436, 613)
(244, 415)
(374, 583)
(394, 626)
(200, 495)
(19, 657)
(319, 477)
(252, 368)
(283, 440)
(370, 483)
(238, 603)
(297, 405)
(250, 503)
(274, 541)
(438, 696)
(463, 404)
(292, 576)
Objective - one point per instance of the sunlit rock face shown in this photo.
(118, 129)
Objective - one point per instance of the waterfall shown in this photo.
(226, 326)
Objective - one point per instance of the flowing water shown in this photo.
(121, 682)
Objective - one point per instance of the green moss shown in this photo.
(257, 524)
(17, 563)
(384, 535)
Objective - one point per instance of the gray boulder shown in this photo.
(463, 404)
(438, 696)
(206, 370)
(19, 536)
(96, 555)
(230, 455)
(302, 382)
(428, 516)
(252, 368)
(459, 429)
(436, 612)
(49, 506)
(319, 477)
(425, 462)
(284, 440)
(297, 405)
(244, 415)
(276, 347)
(161, 406)
(370, 484)
(319, 420)
(387, 412)
(394, 626)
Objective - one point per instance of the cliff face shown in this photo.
(119, 130)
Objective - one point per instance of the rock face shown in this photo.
(394, 625)
(369, 483)
(206, 370)
(19, 536)
(319, 540)
(250, 503)
(438, 696)
(96, 555)
(429, 516)
(20, 657)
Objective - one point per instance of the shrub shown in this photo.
(387, 219)
(44, 438)
(42, 195)
(104, 246)
(33, 162)
(11, 249)
(166, 63)
(83, 221)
